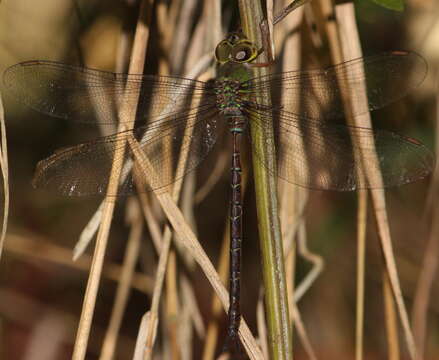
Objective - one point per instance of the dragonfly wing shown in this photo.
(319, 93)
(91, 96)
(320, 155)
(85, 169)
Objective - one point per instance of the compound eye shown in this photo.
(244, 51)
(233, 38)
(223, 51)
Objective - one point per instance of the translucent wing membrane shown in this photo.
(77, 93)
(318, 93)
(85, 169)
(312, 152)
(319, 155)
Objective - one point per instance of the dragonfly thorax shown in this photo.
(229, 99)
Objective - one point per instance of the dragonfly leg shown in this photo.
(266, 46)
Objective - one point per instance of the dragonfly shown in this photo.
(175, 115)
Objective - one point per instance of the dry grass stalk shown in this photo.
(172, 306)
(185, 333)
(193, 322)
(430, 261)
(315, 259)
(122, 58)
(344, 42)
(5, 175)
(31, 247)
(166, 242)
(191, 301)
(391, 320)
(351, 49)
(192, 319)
(165, 259)
(293, 198)
(181, 35)
(172, 322)
(361, 266)
(141, 335)
(136, 66)
(215, 309)
(88, 233)
(303, 335)
(187, 237)
(134, 219)
(151, 221)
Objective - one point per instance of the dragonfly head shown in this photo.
(236, 48)
(233, 55)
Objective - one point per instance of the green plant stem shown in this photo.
(273, 268)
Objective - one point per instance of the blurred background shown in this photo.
(41, 288)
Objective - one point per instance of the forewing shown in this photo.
(87, 95)
(319, 155)
(85, 169)
(319, 93)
